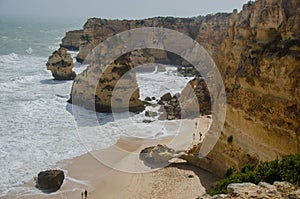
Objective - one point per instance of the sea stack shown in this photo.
(60, 63)
(116, 88)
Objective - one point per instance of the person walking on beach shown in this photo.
(85, 194)
(81, 195)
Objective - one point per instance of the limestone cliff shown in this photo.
(108, 89)
(60, 63)
(71, 40)
(97, 30)
(212, 31)
(260, 63)
(258, 54)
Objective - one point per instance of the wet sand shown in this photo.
(117, 172)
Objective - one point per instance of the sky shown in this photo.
(115, 9)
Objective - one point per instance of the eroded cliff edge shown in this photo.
(260, 64)
(258, 54)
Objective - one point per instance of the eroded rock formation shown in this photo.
(108, 89)
(60, 63)
(193, 101)
(157, 156)
(97, 30)
(71, 40)
(260, 64)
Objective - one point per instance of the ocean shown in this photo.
(37, 129)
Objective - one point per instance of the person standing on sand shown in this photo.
(85, 194)
(81, 195)
(200, 135)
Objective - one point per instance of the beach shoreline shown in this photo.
(117, 172)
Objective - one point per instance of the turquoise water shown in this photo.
(42, 36)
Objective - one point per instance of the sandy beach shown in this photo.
(117, 172)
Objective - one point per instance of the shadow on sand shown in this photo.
(206, 178)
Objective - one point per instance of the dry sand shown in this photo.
(117, 172)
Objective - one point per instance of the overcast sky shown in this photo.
(121, 9)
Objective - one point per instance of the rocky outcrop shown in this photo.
(60, 63)
(115, 88)
(71, 40)
(157, 156)
(260, 63)
(50, 180)
(194, 100)
(96, 30)
(212, 30)
(279, 190)
(170, 108)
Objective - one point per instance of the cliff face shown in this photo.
(71, 40)
(260, 59)
(258, 54)
(108, 89)
(97, 30)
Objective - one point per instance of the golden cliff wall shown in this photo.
(260, 64)
(72, 39)
(108, 89)
(97, 30)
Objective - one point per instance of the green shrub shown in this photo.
(286, 169)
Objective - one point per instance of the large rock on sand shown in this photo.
(157, 156)
(50, 180)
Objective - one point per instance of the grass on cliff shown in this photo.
(287, 169)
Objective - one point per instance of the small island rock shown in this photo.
(60, 63)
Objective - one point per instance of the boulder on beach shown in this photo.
(50, 180)
(157, 156)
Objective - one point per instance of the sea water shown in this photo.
(37, 128)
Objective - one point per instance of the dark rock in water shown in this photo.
(148, 99)
(147, 121)
(170, 108)
(70, 100)
(153, 98)
(166, 97)
(50, 180)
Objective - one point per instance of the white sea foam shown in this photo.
(37, 131)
